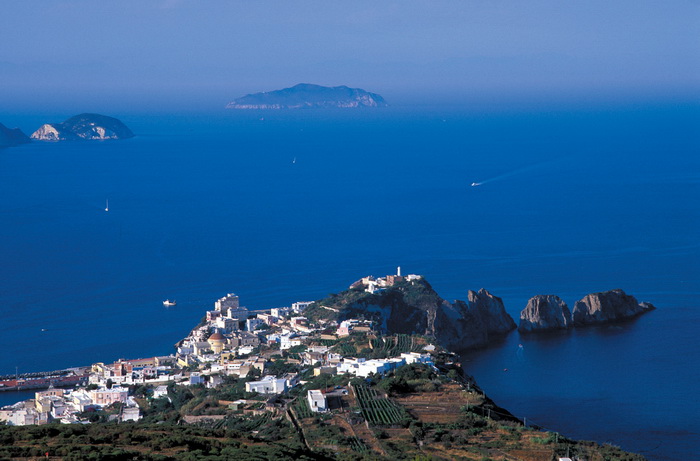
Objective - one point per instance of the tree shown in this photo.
(109, 383)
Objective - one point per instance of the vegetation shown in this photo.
(415, 413)
(379, 410)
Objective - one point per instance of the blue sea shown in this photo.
(287, 206)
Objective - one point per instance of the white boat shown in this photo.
(107, 205)
(474, 184)
(168, 303)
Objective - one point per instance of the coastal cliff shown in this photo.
(84, 126)
(12, 137)
(306, 96)
(544, 313)
(606, 307)
(413, 307)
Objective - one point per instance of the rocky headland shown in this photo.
(548, 313)
(84, 126)
(306, 96)
(10, 137)
(607, 307)
(413, 307)
(544, 313)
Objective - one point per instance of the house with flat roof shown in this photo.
(317, 401)
(267, 385)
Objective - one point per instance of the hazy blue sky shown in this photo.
(176, 52)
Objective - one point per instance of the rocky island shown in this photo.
(306, 95)
(547, 313)
(84, 126)
(544, 312)
(607, 307)
(12, 137)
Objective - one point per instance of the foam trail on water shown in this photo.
(514, 172)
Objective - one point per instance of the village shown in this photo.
(314, 378)
(230, 342)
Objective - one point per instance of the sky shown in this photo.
(177, 53)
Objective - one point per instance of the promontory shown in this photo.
(12, 137)
(84, 126)
(409, 305)
(306, 96)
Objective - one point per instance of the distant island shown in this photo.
(12, 137)
(84, 126)
(306, 95)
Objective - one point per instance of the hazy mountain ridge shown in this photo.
(10, 137)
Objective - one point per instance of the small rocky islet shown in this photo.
(83, 126)
(549, 312)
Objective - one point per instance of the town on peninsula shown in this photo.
(366, 373)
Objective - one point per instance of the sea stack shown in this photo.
(544, 313)
(491, 311)
(607, 307)
(12, 137)
(84, 126)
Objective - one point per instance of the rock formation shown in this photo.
(414, 307)
(83, 126)
(306, 95)
(544, 313)
(607, 307)
(12, 137)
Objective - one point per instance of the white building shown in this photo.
(227, 324)
(267, 385)
(245, 350)
(415, 357)
(279, 312)
(250, 324)
(228, 302)
(240, 313)
(317, 401)
(160, 391)
(363, 368)
(299, 306)
(15, 416)
(130, 414)
(289, 341)
(104, 397)
(196, 378)
(269, 319)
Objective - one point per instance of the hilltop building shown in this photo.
(298, 307)
(372, 284)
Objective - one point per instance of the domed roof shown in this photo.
(217, 337)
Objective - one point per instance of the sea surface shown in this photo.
(284, 206)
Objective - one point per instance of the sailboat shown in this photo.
(107, 205)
